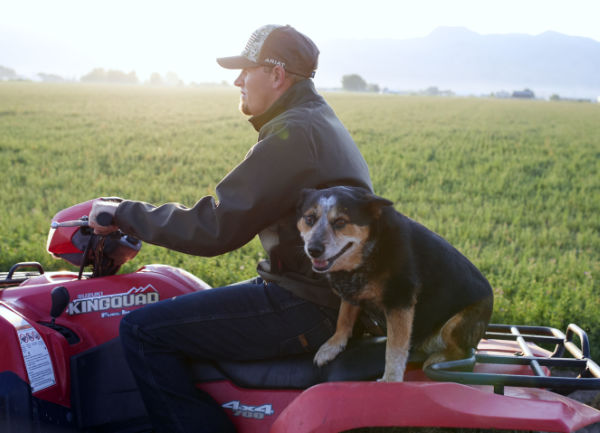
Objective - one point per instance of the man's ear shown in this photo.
(278, 74)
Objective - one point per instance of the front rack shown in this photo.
(13, 278)
(588, 372)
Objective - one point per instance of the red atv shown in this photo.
(62, 368)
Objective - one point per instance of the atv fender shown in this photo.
(336, 407)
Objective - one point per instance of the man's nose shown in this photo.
(239, 81)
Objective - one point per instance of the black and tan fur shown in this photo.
(435, 301)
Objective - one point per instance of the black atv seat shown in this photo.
(363, 359)
(103, 389)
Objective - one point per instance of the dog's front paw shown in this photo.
(327, 352)
(392, 377)
(393, 373)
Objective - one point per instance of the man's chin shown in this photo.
(244, 108)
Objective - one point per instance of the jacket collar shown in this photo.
(295, 95)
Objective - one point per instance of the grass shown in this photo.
(515, 185)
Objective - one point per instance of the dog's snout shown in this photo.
(315, 249)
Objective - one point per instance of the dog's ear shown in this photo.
(302, 198)
(375, 204)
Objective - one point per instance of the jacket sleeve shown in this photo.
(259, 191)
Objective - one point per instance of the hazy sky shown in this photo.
(70, 37)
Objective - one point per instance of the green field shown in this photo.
(515, 185)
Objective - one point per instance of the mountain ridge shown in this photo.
(466, 62)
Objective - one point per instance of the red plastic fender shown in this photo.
(335, 407)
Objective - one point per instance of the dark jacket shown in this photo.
(301, 144)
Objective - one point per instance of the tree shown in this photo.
(354, 82)
(432, 91)
(97, 75)
(171, 79)
(373, 88)
(116, 76)
(7, 73)
(156, 79)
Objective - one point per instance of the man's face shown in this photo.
(257, 91)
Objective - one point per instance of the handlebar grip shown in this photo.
(104, 219)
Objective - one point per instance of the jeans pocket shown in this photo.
(308, 341)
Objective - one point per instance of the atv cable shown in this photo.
(84, 257)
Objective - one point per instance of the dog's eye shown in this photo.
(339, 223)
(309, 220)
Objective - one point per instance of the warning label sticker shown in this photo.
(34, 350)
(37, 359)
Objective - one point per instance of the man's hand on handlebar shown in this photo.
(106, 208)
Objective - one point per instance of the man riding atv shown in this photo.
(289, 309)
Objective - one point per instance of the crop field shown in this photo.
(514, 185)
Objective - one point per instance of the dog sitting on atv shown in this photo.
(435, 301)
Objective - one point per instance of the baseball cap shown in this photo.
(273, 45)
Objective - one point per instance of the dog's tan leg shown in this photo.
(459, 334)
(399, 329)
(343, 331)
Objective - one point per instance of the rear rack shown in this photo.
(588, 371)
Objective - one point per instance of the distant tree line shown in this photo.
(350, 82)
(11, 74)
(435, 91)
(99, 75)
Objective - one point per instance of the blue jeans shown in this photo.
(246, 321)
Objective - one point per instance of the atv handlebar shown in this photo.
(72, 239)
(104, 219)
